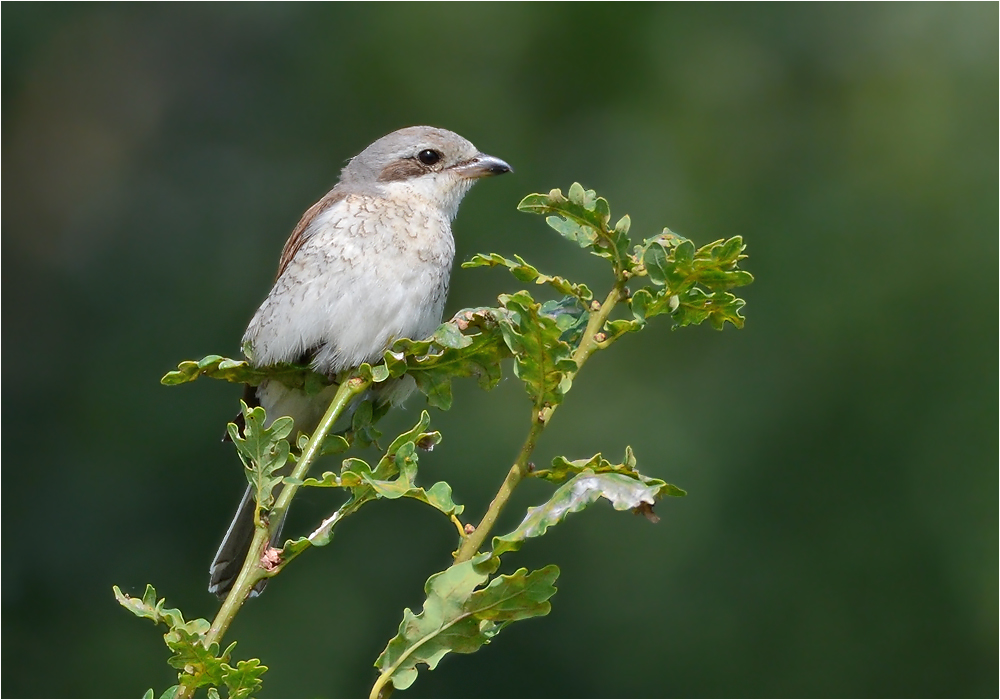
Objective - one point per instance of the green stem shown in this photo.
(252, 570)
(249, 575)
(590, 343)
(345, 394)
(472, 543)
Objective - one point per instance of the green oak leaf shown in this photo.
(393, 477)
(690, 284)
(672, 261)
(525, 272)
(541, 360)
(199, 665)
(357, 475)
(152, 609)
(242, 372)
(332, 444)
(263, 451)
(563, 468)
(583, 217)
(243, 680)
(469, 345)
(646, 303)
(695, 306)
(655, 258)
(460, 619)
(437, 496)
(570, 316)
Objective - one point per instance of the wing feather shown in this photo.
(300, 234)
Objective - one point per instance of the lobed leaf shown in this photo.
(393, 477)
(437, 496)
(263, 451)
(458, 618)
(366, 415)
(691, 284)
(242, 372)
(524, 272)
(582, 217)
(151, 608)
(469, 345)
(570, 316)
(563, 468)
(541, 359)
(243, 680)
(672, 261)
(695, 306)
(199, 665)
(646, 303)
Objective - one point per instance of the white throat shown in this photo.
(442, 191)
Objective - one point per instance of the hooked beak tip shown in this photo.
(484, 166)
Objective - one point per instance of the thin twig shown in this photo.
(588, 345)
(252, 570)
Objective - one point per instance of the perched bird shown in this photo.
(367, 264)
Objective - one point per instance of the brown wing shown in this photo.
(298, 237)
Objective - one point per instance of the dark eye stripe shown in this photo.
(402, 170)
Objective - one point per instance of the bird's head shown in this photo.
(436, 165)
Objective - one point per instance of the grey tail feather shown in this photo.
(234, 549)
(251, 400)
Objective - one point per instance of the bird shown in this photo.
(368, 263)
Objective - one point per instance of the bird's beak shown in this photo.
(482, 165)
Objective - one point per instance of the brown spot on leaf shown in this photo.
(426, 443)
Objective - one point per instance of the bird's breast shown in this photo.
(371, 270)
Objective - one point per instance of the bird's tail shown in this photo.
(234, 549)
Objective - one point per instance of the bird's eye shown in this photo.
(429, 157)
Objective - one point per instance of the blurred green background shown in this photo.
(840, 536)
